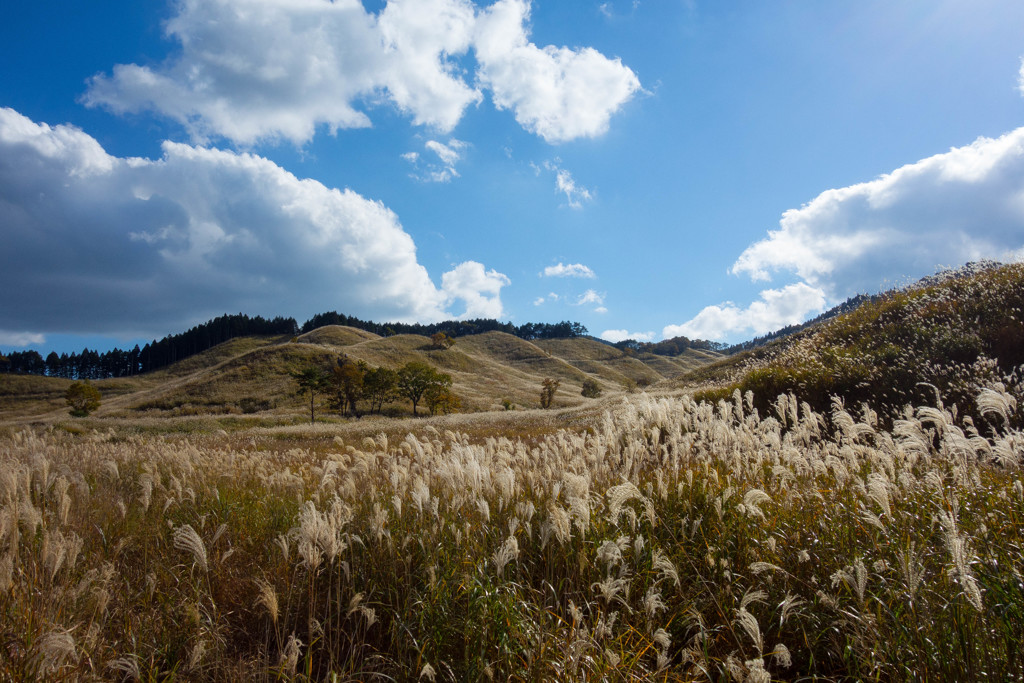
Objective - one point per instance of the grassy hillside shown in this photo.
(940, 342)
(337, 335)
(251, 375)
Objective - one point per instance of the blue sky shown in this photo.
(648, 168)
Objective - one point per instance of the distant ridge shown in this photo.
(177, 347)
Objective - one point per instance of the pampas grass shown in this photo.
(669, 540)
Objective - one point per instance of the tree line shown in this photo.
(452, 328)
(668, 347)
(90, 364)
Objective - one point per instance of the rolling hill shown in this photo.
(251, 374)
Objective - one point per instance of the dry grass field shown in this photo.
(638, 536)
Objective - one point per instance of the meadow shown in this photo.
(845, 505)
(663, 540)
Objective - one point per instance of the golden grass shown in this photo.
(654, 539)
(251, 375)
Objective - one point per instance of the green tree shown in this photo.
(380, 386)
(441, 341)
(547, 392)
(312, 380)
(441, 400)
(82, 398)
(347, 380)
(415, 378)
(591, 389)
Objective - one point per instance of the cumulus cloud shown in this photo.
(140, 246)
(615, 336)
(569, 270)
(277, 69)
(479, 289)
(777, 308)
(965, 204)
(268, 69)
(558, 93)
(962, 205)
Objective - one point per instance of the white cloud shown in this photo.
(268, 69)
(569, 270)
(146, 246)
(552, 296)
(277, 69)
(615, 336)
(591, 297)
(479, 289)
(962, 205)
(777, 308)
(444, 169)
(1020, 77)
(574, 194)
(558, 93)
(21, 339)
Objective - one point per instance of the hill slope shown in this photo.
(251, 374)
(950, 337)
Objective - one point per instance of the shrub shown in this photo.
(591, 389)
(82, 398)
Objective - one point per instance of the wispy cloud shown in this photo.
(21, 339)
(569, 270)
(440, 167)
(591, 297)
(575, 194)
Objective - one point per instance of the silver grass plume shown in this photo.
(127, 666)
(268, 598)
(960, 554)
(662, 564)
(992, 402)
(186, 538)
(508, 552)
(53, 649)
(619, 495)
(290, 655)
